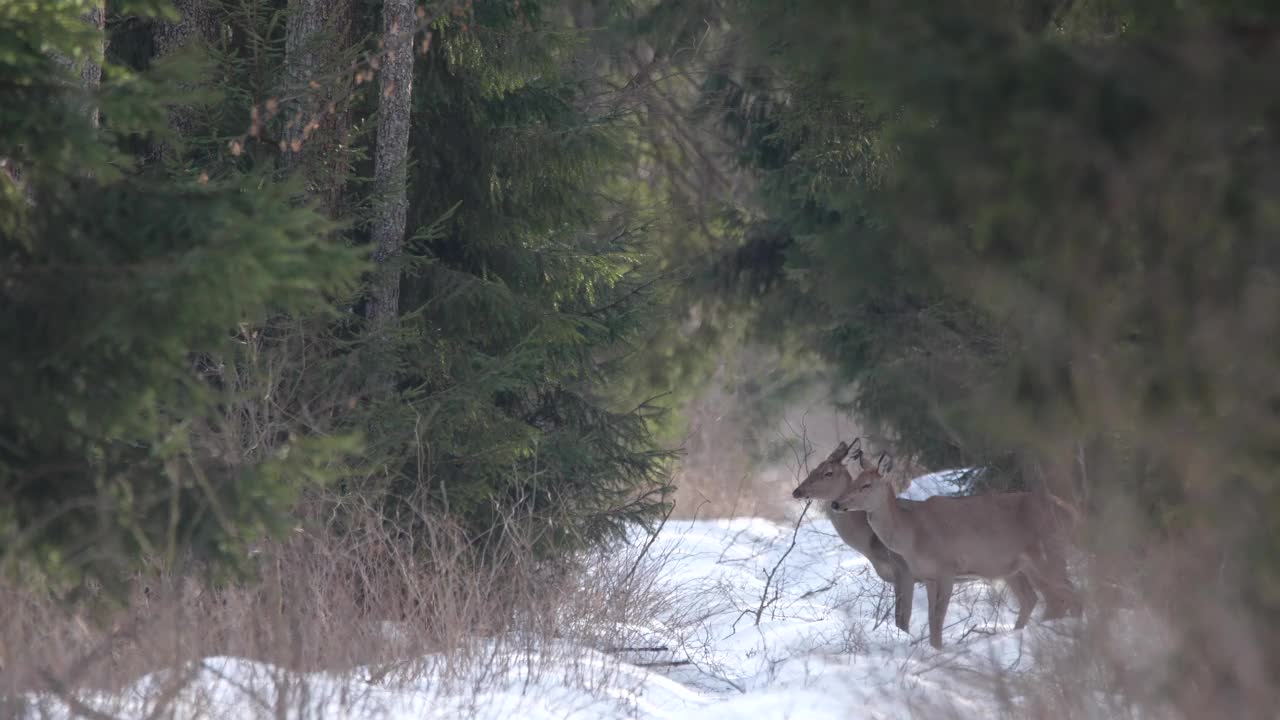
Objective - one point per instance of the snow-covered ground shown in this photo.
(765, 622)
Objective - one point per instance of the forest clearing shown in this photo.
(753, 625)
(639, 358)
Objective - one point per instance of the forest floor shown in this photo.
(762, 620)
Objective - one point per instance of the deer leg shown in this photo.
(939, 598)
(1053, 580)
(1056, 599)
(904, 591)
(892, 568)
(1062, 602)
(1026, 594)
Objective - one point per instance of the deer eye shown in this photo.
(828, 472)
(866, 486)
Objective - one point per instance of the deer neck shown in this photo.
(852, 527)
(885, 518)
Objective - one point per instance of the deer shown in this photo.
(1019, 537)
(828, 482)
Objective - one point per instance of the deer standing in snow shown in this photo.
(1019, 537)
(829, 481)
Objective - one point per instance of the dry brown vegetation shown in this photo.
(349, 593)
(1166, 631)
(1164, 635)
(370, 601)
(717, 477)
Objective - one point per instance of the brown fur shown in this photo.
(828, 481)
(1021, 538)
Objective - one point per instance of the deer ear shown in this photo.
(862, 460)
(838, 454)
(856, 455)
(856, 447)
(885, 465)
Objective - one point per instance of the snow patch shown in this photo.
(767, 621)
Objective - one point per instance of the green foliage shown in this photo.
(515, 295)
(816, 270)
(115, 283)
(1056, 237)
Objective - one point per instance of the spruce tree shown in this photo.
(1081, 200)
(514, 293)
(123, 291)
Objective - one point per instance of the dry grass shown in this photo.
(717, 479)
(1167, 630)
(370, 602)
(1164, 636)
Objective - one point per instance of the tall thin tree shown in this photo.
(90, 71)
(195, 20)
(391, 158)
(196, 23)
(319, 34)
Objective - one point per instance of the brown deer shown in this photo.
(829, 481)
(1019, 537)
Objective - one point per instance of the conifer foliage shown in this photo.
(193, 332)
(116, 282)
(1043, 235)
(515, 291)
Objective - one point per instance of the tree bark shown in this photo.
(316, 135)
(91, 71)
(90, 81)
(197, 23)
(306, 21)
(391, 159)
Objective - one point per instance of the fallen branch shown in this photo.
(664, 663)
(818, 591)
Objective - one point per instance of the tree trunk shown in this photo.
(91, 71)
(90, 81)
(197, 23)
(305, 23)
(391, 159)
(316, 136)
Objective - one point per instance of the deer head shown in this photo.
(862, 492)
(831, 478)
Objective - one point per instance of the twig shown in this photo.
(647, 544)
(818, 591)
(768, 579)
(655, 648)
